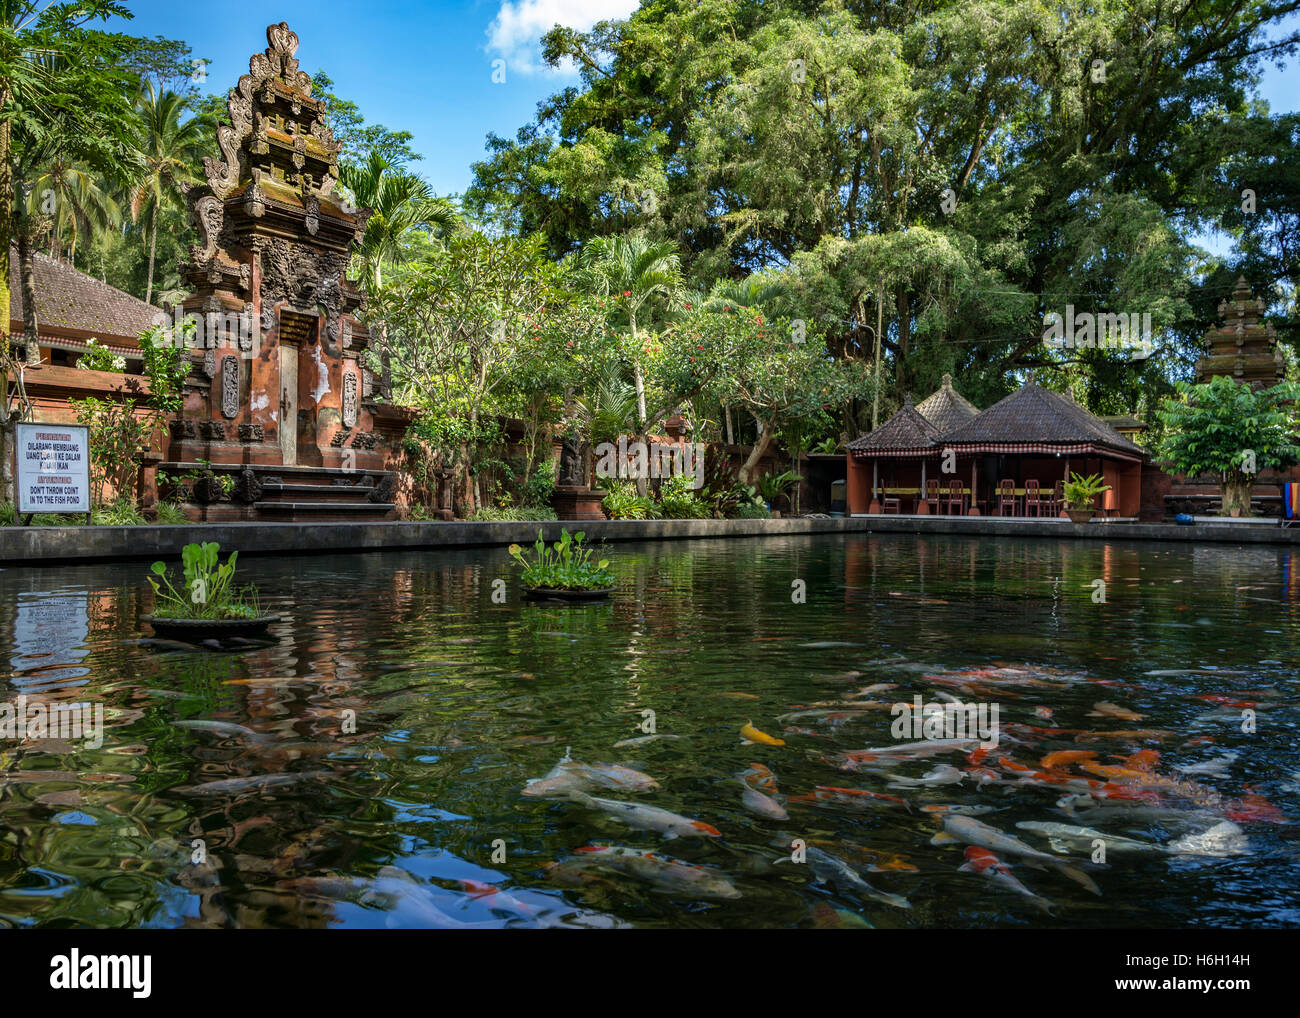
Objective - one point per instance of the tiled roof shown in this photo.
(1035, 414)
(946, 408)
(907, 429)
(67, 298)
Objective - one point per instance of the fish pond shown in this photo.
(368, 768)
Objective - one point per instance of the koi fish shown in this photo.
(907, 750)
(1222, 839)
(1134, 735)
(984, 863)
(975, 832)
(855, 798)
(832, 870)
(944, 774)
(1065, 838)
(574, 776)
(751, 734)
(756, 775)
(1105, 709)
(227, 728)
(642, 740)
(959, 809)
(648, 818)
(252, 783)
(1065, 757)
(662, 873)
(762, 805)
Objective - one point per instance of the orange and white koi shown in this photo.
(982, 862)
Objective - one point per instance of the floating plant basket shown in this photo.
(558, 594)
(194, 630)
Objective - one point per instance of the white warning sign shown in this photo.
(53, 468)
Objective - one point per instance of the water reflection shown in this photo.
(365, 768)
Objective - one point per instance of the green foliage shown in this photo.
(523, 513)
(1223, 427)
(208, 590)
(8, 514)
(1080, 491)
(751, 511)
(121, 512)
(773, 486)
(98, 358)
(678, 500)
(116, 436)
(166, 364)
(565, 565)
(963, 154)
(170, 513)
(622, 502)
(540, 486)
(732, 500)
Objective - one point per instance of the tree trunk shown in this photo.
(744, 474)
(27, 286)
(642, 483)
(1236, 496)
(731, 436)
(153, 242)
(6, 235)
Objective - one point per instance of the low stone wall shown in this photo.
(39, 546)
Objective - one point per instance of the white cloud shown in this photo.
(516, 32)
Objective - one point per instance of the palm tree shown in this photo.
(84, 207)
(400, 203)
(169, 150)
(637, 272)
(606, 412)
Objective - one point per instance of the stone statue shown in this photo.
(571, 471)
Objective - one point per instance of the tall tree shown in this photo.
(169, 152)
(641, 276)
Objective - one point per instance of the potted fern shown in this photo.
(1079, 493)
(208, 603)
(565, 571)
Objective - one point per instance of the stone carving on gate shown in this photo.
(350, 400)
(230, 387)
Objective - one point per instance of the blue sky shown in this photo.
(427, 67)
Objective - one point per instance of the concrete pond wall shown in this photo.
(37, 546)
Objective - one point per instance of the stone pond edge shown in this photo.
(37, 546)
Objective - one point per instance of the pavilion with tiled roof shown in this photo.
(1033, 435)
(946, 408)
(72, 308)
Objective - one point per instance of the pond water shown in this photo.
(413, 814)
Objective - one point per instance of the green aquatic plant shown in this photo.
(565, 565)
(209, 593)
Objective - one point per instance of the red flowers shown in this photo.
(627, 293)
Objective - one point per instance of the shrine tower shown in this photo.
(279, 393)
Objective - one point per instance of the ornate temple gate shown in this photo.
(278, 393)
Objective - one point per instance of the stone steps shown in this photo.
(276, 492)
(324, 512)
